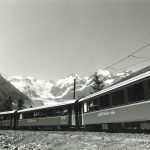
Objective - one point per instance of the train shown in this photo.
(124, 105)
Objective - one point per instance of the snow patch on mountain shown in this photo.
(49, 91)
(32, 87)
(109, 81)
(104, 73)
(67, 81)
(85, 82)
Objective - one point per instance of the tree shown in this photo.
(8, 104)
(20, 104)
(98, 83)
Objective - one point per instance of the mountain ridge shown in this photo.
(9, 90)
(55, 91)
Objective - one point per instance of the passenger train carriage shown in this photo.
(50, 117)
(124, 105)
(7, 119)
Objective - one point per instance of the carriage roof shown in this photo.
(7, 112)
(69, 102)
(139, 75)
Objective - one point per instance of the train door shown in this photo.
(73, 115)
(15, 119)
(69, 115)
(72, 121)
(80, 114)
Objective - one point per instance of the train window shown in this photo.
(89, 105)
(43, 113)
(104, 101)
(93, 104)
(85, 107)
(4, 117)
(31, 114)
(26, 115)
(20, 116)
(149, 85)
(38, 114)
(35, 114)
(118, 98)
(50, 112)
(1, 117)
(148, 88)
(65, 111)
(58, 111)
(7, 117)
(135, 92)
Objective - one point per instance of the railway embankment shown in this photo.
(58, 140)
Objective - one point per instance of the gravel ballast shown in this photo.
(59, 140)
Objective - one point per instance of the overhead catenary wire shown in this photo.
(129, 66)
(130, 55)
(116, 69)
(136, 63)
(139, 57)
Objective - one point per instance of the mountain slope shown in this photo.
(55, 91)
(7, 89)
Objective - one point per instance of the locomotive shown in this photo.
(123, 106)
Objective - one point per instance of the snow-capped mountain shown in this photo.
(55, 91)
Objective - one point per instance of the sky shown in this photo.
(50, 39)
